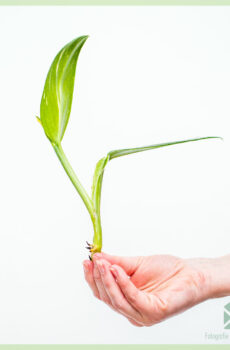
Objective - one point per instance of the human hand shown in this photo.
(147, 290)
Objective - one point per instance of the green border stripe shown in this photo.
(115, 2)
(115, 347)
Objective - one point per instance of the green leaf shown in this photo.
(97, 182)
(100, 167)
(57, 95)
(126, 151)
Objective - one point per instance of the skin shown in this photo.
(148, 290)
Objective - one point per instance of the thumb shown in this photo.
(128, 263)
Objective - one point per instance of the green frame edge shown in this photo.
(115, 2)
(114, 347)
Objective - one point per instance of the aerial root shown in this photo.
(89, 247)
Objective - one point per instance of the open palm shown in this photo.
(149, 289)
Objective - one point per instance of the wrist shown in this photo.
(216, 273)
(220, 277)
(211, 276)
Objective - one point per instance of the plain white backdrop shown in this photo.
(145, 75)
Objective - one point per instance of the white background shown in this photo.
(145, 75)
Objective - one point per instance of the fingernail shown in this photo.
(114, 271)
(101, 267)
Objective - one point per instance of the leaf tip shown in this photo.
(83, 38)
(217, 137)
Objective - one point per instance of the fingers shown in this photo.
(105, 288)
(134, 296)
(111, 284)
(88, 271)
(93, 278)
(135, 323)
(129, 264)
(113, 291)
(100, 286)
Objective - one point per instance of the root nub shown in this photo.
(92, 249)
(89, 246)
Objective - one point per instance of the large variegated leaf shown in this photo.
(57, 95)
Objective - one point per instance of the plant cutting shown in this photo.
(55, 111)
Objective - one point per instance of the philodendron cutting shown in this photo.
(54, 116)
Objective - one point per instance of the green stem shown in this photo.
(97, 238)
(96, 199)
(92, 206)
(75, 181)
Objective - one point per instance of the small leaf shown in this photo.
(100, 167)
(57, 95)
(126, 151)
